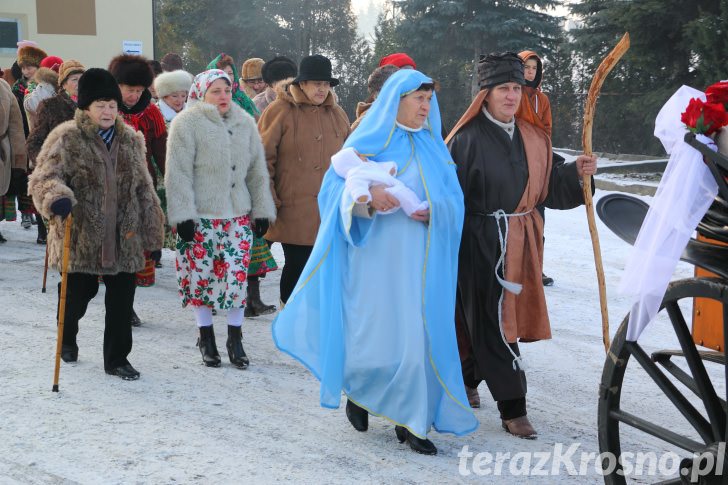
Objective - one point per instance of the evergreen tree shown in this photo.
(199, 30)
(667, 50)
(446, 39)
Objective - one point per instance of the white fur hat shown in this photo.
(169, 82)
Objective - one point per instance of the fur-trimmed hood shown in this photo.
(46, 75)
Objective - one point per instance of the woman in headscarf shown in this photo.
(261, 259)
(372, 312)
(218, 195)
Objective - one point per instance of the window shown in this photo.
(10, 35)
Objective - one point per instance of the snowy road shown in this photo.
(185, 423)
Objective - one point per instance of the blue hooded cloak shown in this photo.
(373, 311)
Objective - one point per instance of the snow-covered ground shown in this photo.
(186, 423)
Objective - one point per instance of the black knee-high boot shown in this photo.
(255, 306)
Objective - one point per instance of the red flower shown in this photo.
(705, 118)
(219, 268)
(199, 237)
(226, 227)
(246, 259)
(193, 265)
(717, 93)
(244, 245)
(202, 283)
(198, 251)
(184, 282)
(240, 276)
(196, 302)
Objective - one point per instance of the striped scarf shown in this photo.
(107, 136)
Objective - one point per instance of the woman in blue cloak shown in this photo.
(372, 313)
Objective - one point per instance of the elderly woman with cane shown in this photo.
(94, 167)
(218, 196)
(372, 313)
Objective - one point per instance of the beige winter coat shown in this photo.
(299, 139)
(116, 212)
(12, 136)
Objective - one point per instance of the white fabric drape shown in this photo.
(685, 192)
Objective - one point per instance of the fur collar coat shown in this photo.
(116, 212)
(299, 139)
(216, 166)
(51, 113)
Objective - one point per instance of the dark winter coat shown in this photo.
(299, 139)
(51, 113)
(116, 214)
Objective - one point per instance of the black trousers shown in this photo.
(507, 386)
(120, 290)
(296, 258)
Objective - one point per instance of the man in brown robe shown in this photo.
(506, 168)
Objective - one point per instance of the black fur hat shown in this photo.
(499, 68)
(131, 70)
(96, 84)
(278, 69)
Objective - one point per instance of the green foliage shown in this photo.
(673, 42)
(446, 38)
(199, 30)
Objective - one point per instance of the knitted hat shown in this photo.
(400, 59)
(23, 43)
(131, 70)
(31, 56)
(499, 68)
(278, 69)
(52, 62)
(69, 66)
(169, 82)
(252, 69)
(315, 68)
(203, 81)
(171, 62)
(97, 84)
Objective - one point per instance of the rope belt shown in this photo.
(507, 285)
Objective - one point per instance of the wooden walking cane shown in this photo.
(45, 269)
(62, 300)
(586, 141)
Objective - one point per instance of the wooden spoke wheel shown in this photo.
(665, 401)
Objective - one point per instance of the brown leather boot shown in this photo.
(520, 427)
(473, 396)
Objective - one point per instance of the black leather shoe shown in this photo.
(418, 444)
(546, 280)
(126, 372)
(135, 320)
(69, 353)
(358, 417)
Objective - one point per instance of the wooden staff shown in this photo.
(62, 300)
(586, 141)
(45, 265)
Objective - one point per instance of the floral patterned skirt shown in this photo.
(212, 269)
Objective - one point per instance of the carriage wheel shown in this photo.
(688, 416)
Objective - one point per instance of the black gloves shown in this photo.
(61, 207)
(18, 182)
(186, 230)
(155, 255)
(260, 227)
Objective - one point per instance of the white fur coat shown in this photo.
(216, 166)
